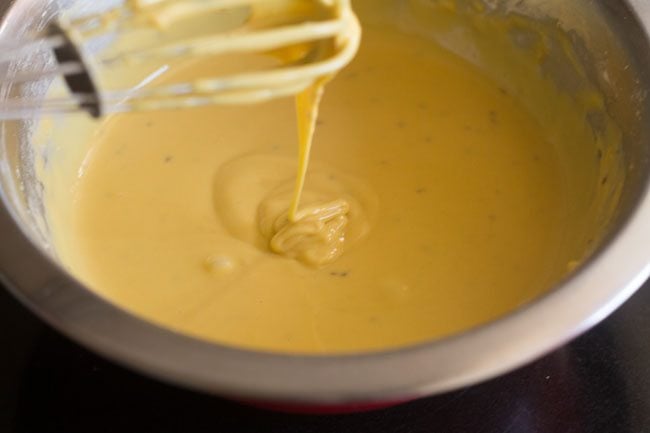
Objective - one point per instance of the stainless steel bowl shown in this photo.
(618, 267)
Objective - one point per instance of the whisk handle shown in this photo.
(80, 83)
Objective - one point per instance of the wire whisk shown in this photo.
(311, 39)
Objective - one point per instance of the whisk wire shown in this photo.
(12, 50)
(229, 43)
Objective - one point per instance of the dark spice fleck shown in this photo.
(503, 91)
(599, 154)
(320, 122)
(494, 117)
(169, 159)
(605, 180)
(428, 139)
(423, 105)
(149, 124)
(341, 274)
(401, 124)
(421, 190)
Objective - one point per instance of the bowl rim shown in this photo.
(596, 290)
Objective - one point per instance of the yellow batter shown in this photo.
(457, 209)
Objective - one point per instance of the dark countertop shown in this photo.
(599, 384)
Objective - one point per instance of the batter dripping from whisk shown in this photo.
(315, 234)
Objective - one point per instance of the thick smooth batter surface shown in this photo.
(457, 209)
